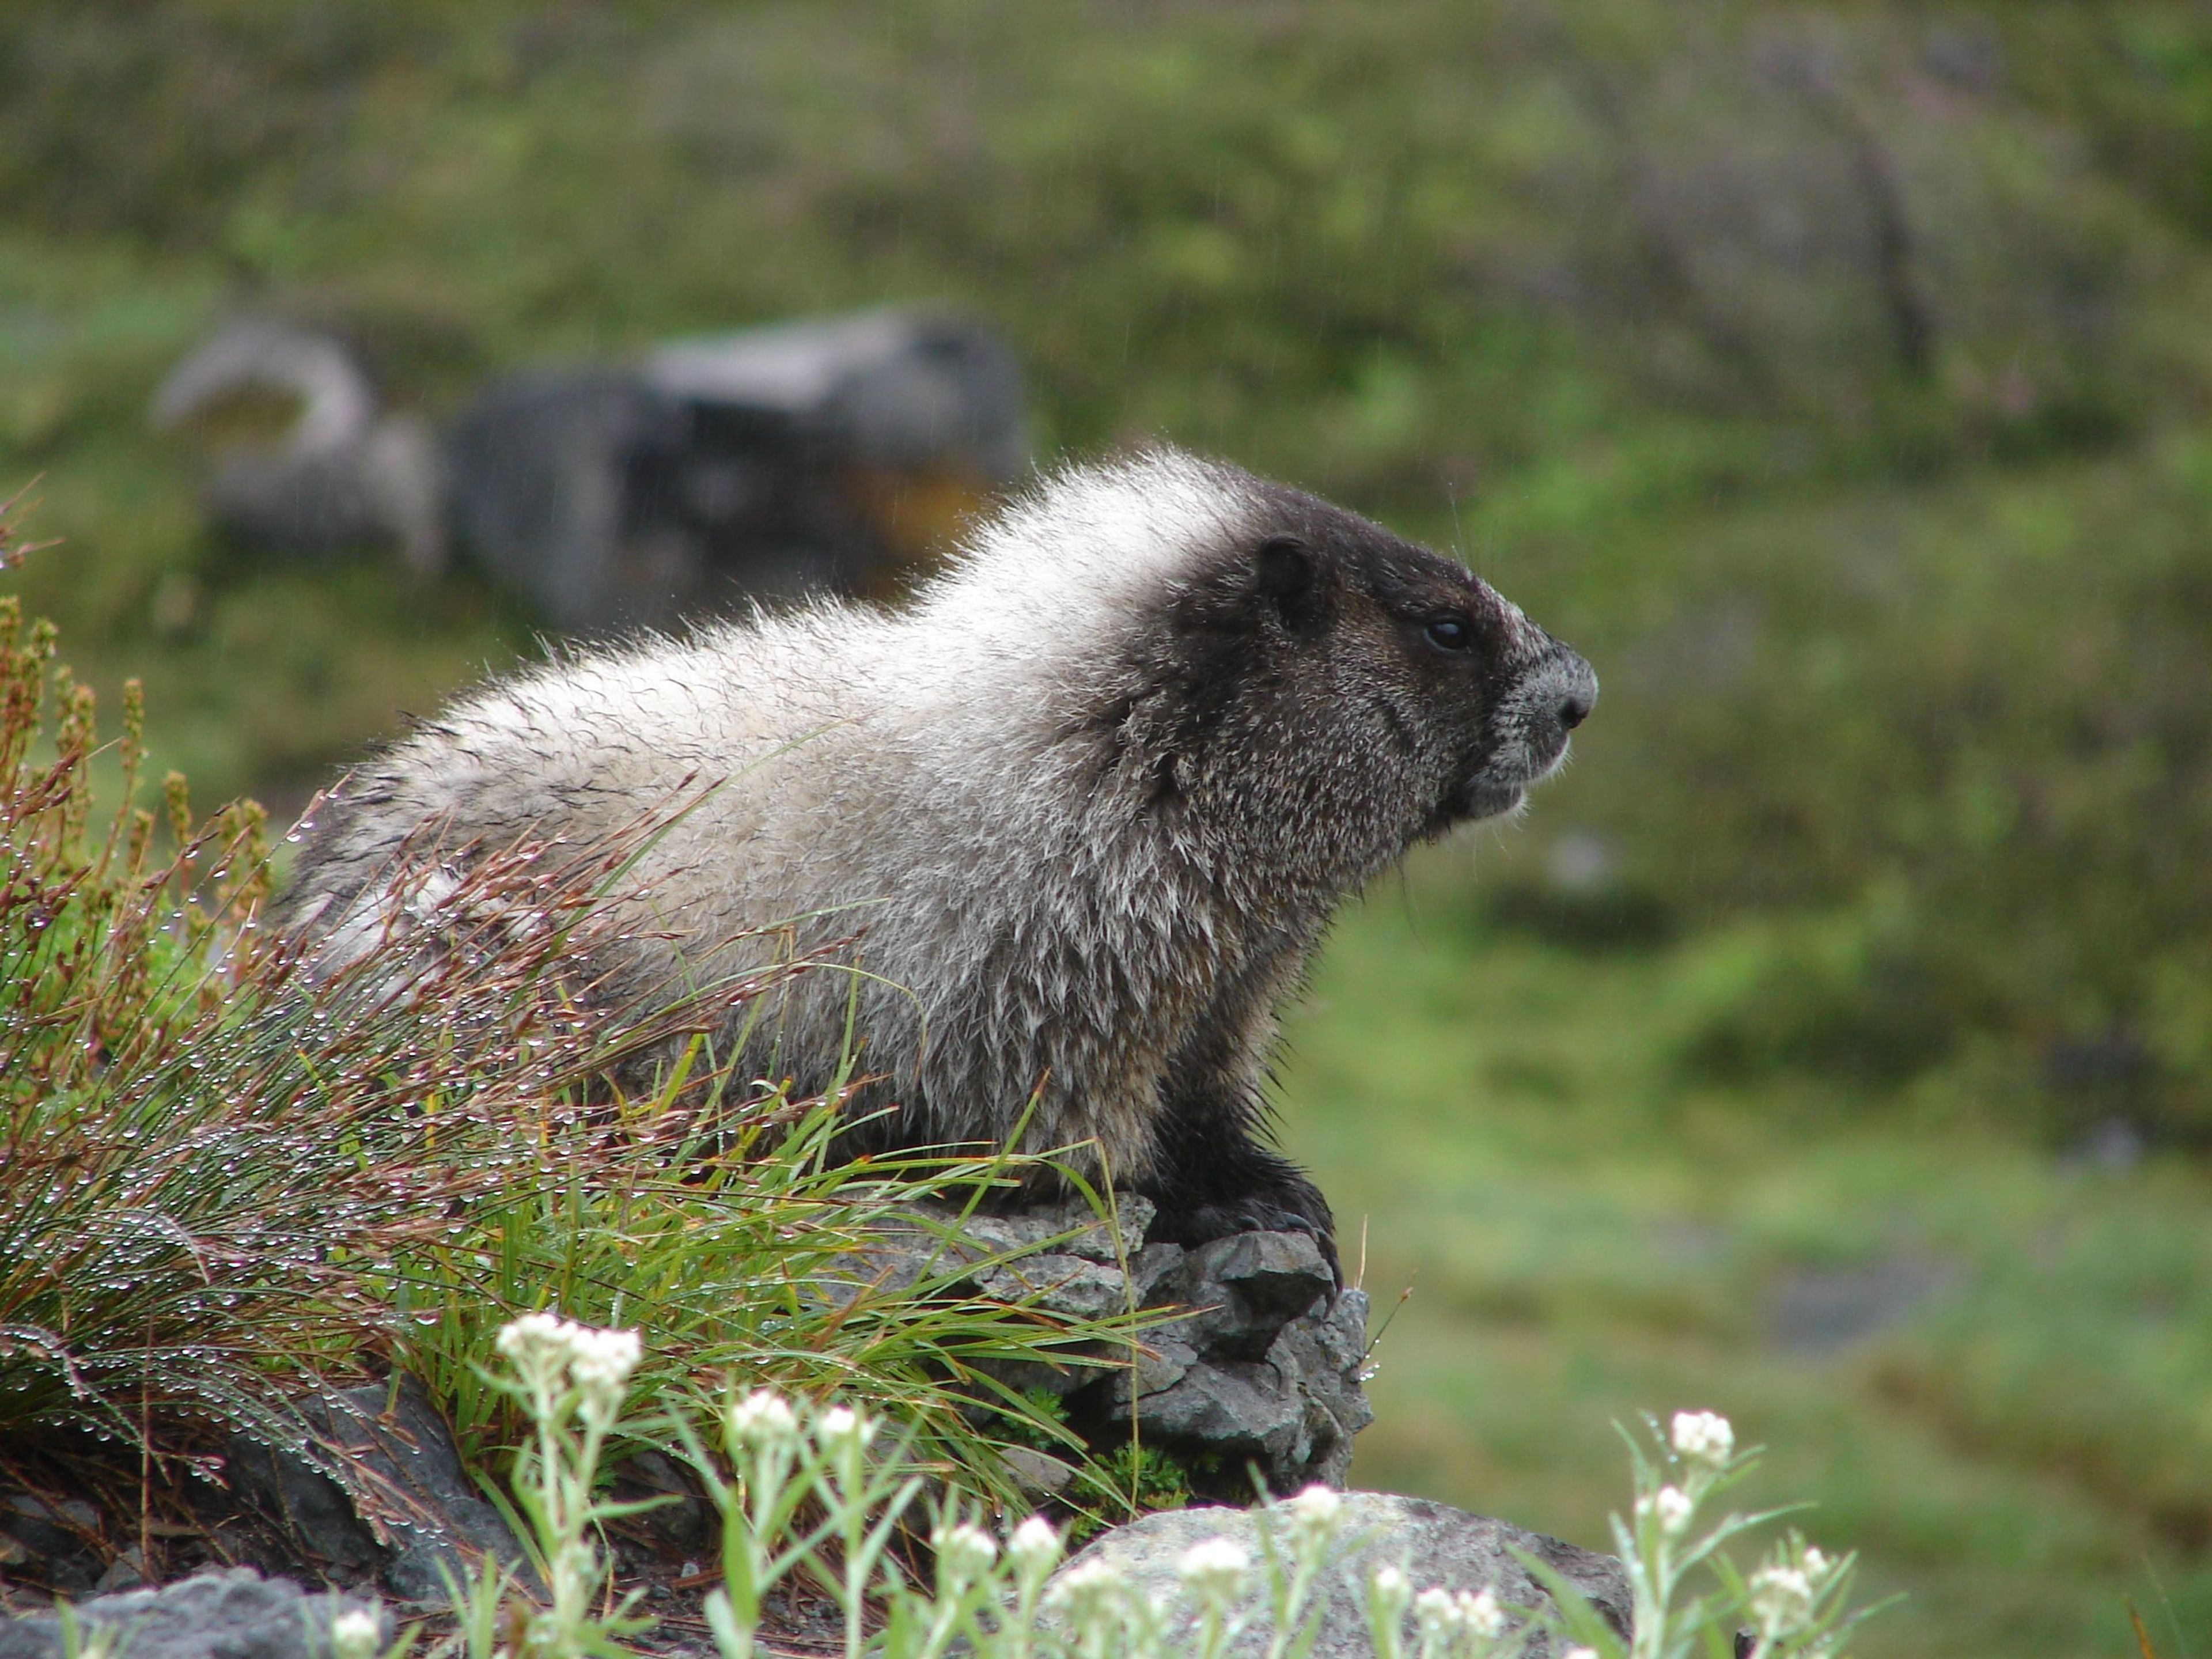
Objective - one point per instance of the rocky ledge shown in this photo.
(227, 1614)
(1262, 1372)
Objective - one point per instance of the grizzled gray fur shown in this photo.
(1088, 803)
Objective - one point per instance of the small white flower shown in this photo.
(1088, 1593)
(1436, 1614)
(354, 1635)
(538, 1346)
(1673, 1507)
(602, 1361)
(1213, 1571)
(964, 1554)
(1035, 1548)
(1703, 1437)
(1781, 1600)
(1316, 1513)
(1392, 1591)
(550, 1351)
(841, 1429)
(1481, 1614)
(763, 1418)
(1814, 1564)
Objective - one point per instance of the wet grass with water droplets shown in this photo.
(225, 1178)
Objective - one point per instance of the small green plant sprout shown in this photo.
(1295, 1537)
(866, 1497)
(1031, 1554)
(1092, 1602)
(927, 1628)
(1795, 1604)
(791, 1460)
(571, 1380)
(1213, 1574)
(762, 1437)
(1449, 1623)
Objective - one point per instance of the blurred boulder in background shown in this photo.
(838, 455)
(307, 462)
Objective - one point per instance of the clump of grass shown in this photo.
(226, 1178)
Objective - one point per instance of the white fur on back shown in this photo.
(898, 774)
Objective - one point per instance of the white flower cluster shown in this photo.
(1392, 1592)
(354, 1635)
(842, 1432)
(1446, 1616)
(1703, 1437)
(964, 1553)
(1215, 1572)
(549, 1352)
(794, 1459)
(1091, 1594)
(1784, 1595)
(763, 1421)
(1034, 1550)
(1315, 1514)
(1672, 1507)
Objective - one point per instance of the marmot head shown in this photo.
(1250, 656)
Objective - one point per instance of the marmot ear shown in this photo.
(1289, 580)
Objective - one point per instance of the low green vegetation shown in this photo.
(820, 1493)
(227, 1180)
(1984, 1364)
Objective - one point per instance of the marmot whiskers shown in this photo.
(1088, 803)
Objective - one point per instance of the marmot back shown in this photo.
(1087, 804)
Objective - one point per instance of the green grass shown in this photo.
(226, 1180)
(1588, 1231)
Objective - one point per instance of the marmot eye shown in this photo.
(1451, 633)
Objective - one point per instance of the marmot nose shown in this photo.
(1574, 688)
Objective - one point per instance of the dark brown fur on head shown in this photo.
(1321, 696)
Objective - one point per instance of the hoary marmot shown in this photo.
(1087, 803)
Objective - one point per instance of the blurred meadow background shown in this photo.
(1833, 1046)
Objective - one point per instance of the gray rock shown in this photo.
(57, 1535)
(681, 1520)
(1262, 1371)
(225, 1614)
(1250, 1286)
(1149, 1270)
(1039, 1474)
(1265, 1371)
(386, 1492)
(1435, 1545)
(940, 1237)
(1069, 1227)
(1061, 1284)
